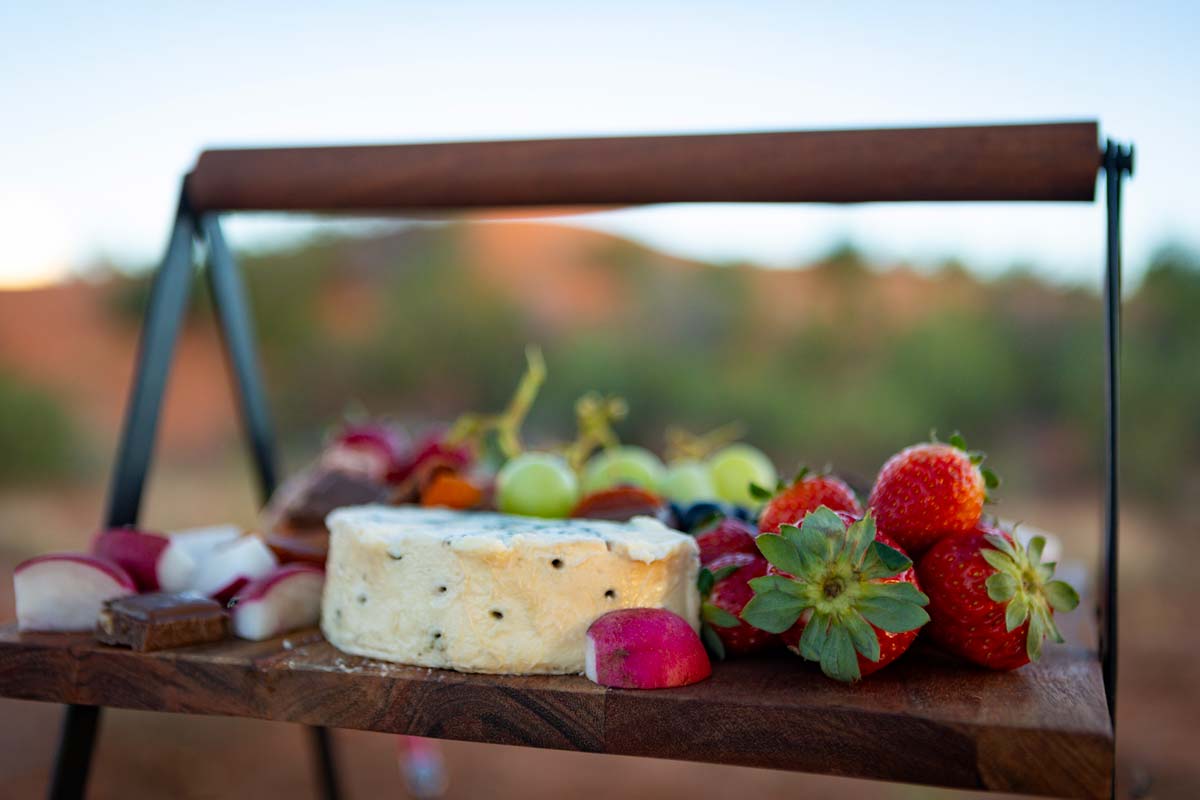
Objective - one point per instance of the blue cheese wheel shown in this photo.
(496, 593)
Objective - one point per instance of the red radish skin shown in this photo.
(283, 600)
(224, 572)
(432, 447)
(65, 591)
(644, 648)
(389, 441)
(147, 557)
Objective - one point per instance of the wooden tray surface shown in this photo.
(1043, 729)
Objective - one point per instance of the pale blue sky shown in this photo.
(103, 106)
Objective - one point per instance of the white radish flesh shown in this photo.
(231, 566)
(188, 548)
(65, 591)
(285, 599)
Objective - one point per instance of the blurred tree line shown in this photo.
(403, 325)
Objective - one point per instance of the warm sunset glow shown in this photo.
(37, 251)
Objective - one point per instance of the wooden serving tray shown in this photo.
(1043, 729)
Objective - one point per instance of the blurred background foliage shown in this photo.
(840, 361)
(843, 361)
(38, 438)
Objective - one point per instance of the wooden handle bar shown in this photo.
(1056, 161)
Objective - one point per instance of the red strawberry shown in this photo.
(841, 593)
(928, 491)
(991, 599)
(727, 535)
(891, 645)
(725, 598)
(807, 493)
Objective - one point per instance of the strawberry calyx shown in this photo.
(990, 479)
(767, 494)
(1022, 585)
(712, 615)
(832, 575)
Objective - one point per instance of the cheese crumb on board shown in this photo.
(494, 593)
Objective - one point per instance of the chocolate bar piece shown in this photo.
(161, 620)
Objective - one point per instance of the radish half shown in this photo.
(195, 544)
(199, 542)
(147, 557)
(644, 648)
(283, 600)
(65, 591)
(230, 566)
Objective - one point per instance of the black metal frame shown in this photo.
(164, 316)
(165, 312)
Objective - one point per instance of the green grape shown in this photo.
(688, 481)
(735, 468)
(623, 465)
(537, 485)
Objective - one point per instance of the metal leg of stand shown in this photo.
(326, 768)
(164, 313)
(74, 759)
(164, 317)
(1118, 162)
(237, 332)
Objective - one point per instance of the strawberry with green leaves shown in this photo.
(807, 492)
(931, 490)
(855, 595)
(725, 588)
(992, 601)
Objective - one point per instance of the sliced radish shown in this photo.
(147, 557)
(199, 542)
(65, 591)
(644, 648)
(284, 599)
(195, 544)
(230, 566)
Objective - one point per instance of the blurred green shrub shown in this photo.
(1017, 365)
(38, 440)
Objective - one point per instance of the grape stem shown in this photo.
(471, 428)
(683, 444)
(594, 418)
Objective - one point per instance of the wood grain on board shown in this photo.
(1043, 729)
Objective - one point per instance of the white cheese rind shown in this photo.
(479, 592)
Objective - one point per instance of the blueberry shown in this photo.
(673, 516)
(743, 513)
(696, 514)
